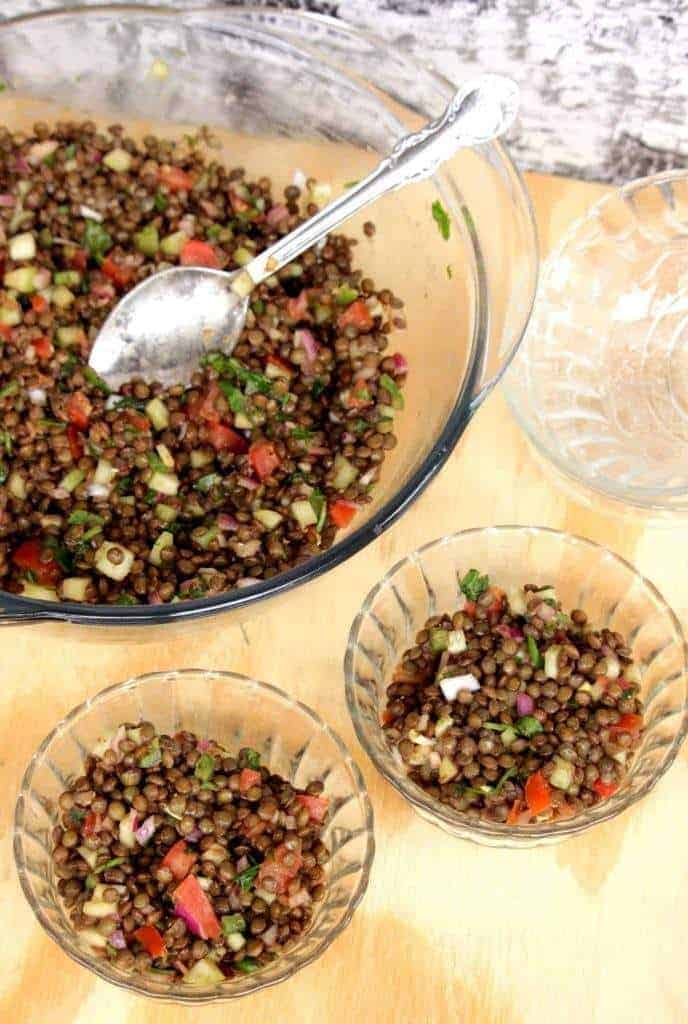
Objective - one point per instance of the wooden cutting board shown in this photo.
(593, 931)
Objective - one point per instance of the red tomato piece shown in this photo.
(76, 444)
(192, 904)
(538, 793)
(39, 304)
(225, 439)
(248, 778)
(43, 347)
(604, 789)
(138, 420)
(175, 178)
(118, 273)
(203, 407)
(264, 459)
(342, 512)
(356, 315)
(199, 254)
(627, 723)
(280, 368)
(151, 940)
(79, 410)
(78, 259)
(6, 331)
(282, 869)
(38, 559)
(179, 860)
(92, 823)
(239, 205)
(315, 805)
(297, 309)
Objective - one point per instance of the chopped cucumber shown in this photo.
(157, 413)
(166, 513)
(118, 569)
(39, 593)
(22, 247)
(165, 540)
(16, 485)
(118, 160)
(164, 483)
(71, 480)
(344, 473)
(105, 473)
(74, 588)
(268, 518)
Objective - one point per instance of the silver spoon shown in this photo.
(162, 328)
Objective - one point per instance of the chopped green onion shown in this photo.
(9, 389)
(473, 584)
(301, 434)
(253, 759)
(236, 399)
(536, 659)
(232, 923)
(95, 381)
(319, 505)
(496, 726)
(114, 862)
(205, 767)
(394, 390)
(246, 878)
(528, 726)
(441, 218)
(96, 239)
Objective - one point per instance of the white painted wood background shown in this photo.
(605, 82)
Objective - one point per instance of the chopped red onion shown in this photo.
(94, 156)
(6, 199)
(145, 832)
(203, 745)
(509, 632)
(194, 835)
(188, 919)
(41, 279)
(525, 705)
(155, 598)
(400, 363)
(117, 939)
(305, 339)
(545, 611)
(248, 482)
(242, 864)
(277, 214)
(40, 150)
(227, 522)
(22, 165)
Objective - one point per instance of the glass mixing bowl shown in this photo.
(306, 92)
(600, 384)
(292, 741)
(586, 576)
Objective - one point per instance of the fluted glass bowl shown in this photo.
(288, 92)
(586, 576)
(292, 741)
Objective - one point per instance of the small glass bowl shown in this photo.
(292, 741)
(585, 576)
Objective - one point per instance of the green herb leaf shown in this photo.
(258, 307)
(156, 463)
(236, 399)
(69, 366)
(89, 534)
(126, 599)
(246, 877)
(248, 965)
(473, 584)
(393, 389)
(95, 381)
(30, 576)
(96, 239)
(232, 923)
(214, 232)
(205, 767)
(9, 389)
(319, 505)
(536, 658)
(317, 388)
(114, 862)
(301, 434)
(80, 516)
(153, 755)
(160, 202)
(77, 815)
(441, 218)
(6, 441)
(508, 774)
(528, 726)
(127, 402)
(496, 726)
(61, 554)
(345, 295)
(70, 152)
(253, 759)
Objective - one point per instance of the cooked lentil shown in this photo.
(171, 851)
(510, 710)
(160, 494)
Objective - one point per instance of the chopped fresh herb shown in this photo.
(61, 554)
(4, 473)
(360, 426)
(229, 366)
(114, 862)
(77, 815)
(247, 965)
(208, 785)
(127, 402)
(317, 388)
(253, 759)
(70, 152)
(69, 366)
(6, 441)
(80, 516)
(441, 218)
(536, 658)
(508, 774)
(156, 463)
(205, 483)
(236, 399)
(95, 381)
(258, 307)
(496, 726)
(89, 535)
(301, 434)
(151, 497)
(96, 239)
(232, 923)
(9, 389)
(53, 423)
(214, 232)
(528, 726)
(160, 202)
(152, 756)
(319, 506)
(63, 209)
(205, 767)
(473, 584)
(393, 389)
(126, 599)
(450, 272)
(124, 484)
(246, 877)
(30, 576)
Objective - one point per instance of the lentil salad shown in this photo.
(159, 494)
(512, 710)
(173, 855)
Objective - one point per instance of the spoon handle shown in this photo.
(482, 109)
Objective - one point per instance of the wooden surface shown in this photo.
(605, 93)
(593, 931)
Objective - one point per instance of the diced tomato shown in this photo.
(225, 439)
(248, 778)
(315, 805)
(179, 859)
(6, 331)
(92, 823)
(38, 559)
(297, 309)
(138, 420)
(43, 347)
(203, 407)
(538, 793)
(627, 723)
(254, 829)
(239, 205)
(151, 940)
(469, 609)
(175, 178)
(196, 909)
(497, 606)
(79, 410)
(264, 459)
(282, 869)
(514, 813)
(76, 444)
(604, 789)
(118, 273)
(342, 512)
(39, 304)
(78, 259)
(199, 254)
(280, 368)
(356, 315)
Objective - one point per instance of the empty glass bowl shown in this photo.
(238, 711)
(585, 576)
(300, 94)
(600, 384)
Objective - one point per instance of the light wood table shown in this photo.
(594, 930)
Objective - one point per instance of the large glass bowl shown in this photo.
(586, 576)
(292, 741)
(305, 92)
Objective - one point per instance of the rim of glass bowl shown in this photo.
(22, 609)
(525, 835)
(252, 983)
(643, 499)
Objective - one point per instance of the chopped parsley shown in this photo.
(6, 441)
(536, 659)
(126, 599)
(95, 381)
(246, 877)
(160, 202)
(253, 759)
(319, 505)
(302, 434)
(441, 218)
(9, 389)
(80, 516)
(61, 554)
(317, 388)
(96, 239)
(473, 584)
(528, 726)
